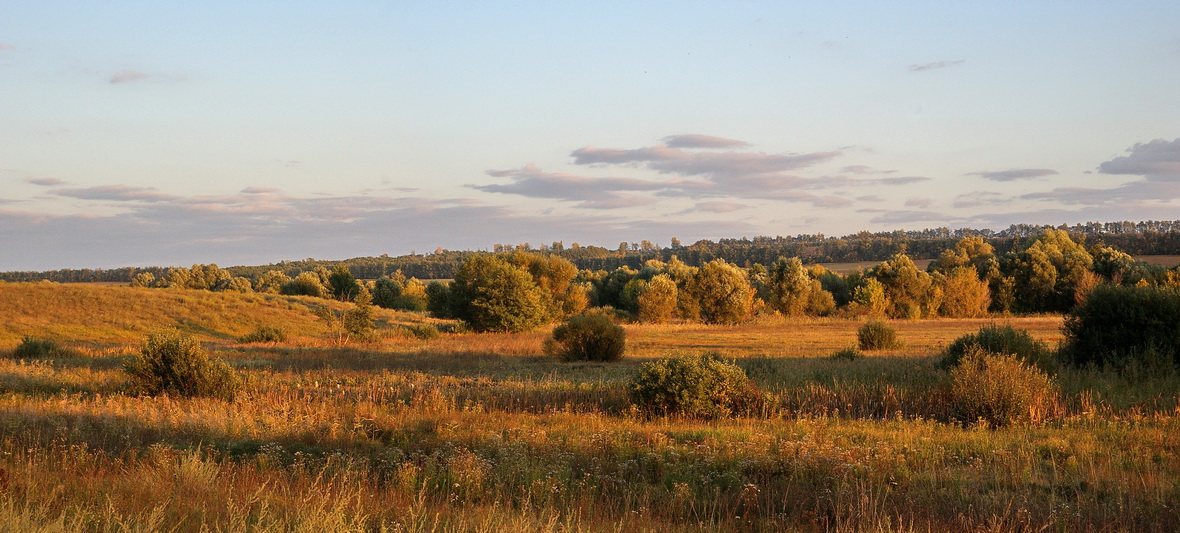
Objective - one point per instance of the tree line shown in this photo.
(520, 289)
(1136, 238)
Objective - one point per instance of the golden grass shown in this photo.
(483, 433)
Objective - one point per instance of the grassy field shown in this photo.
(469, 432)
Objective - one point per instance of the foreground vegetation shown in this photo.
(456, 431)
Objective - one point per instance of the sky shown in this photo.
(241, 133)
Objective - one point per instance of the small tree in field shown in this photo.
(174, 363)
(593, 337)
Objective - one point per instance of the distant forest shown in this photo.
(1152, 237)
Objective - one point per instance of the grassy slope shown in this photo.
(481, 433)
(104, 315)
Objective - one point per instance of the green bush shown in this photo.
(593, 337)
(1119, 326)
(846, 354)
(264, 334)
(174, 363)
(877, 335)
(997, 339)
(30, 348)
(999, 389)
(695, 386)
(423, 331)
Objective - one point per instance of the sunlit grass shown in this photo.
(484, 433)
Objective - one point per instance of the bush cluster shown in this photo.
(877, 335)
(695, 386)
(32, 348)
(264, 334)
(999, 389)
(593, 337)
(423, 331)
(1119, 326)
(997, 339)
(174, 363)
(846, 354)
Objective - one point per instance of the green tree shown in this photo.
(342, 284)
(869, 298)
(657, 301)
(964, 295)
(305, 284)
(271, 281)
(788, 287)
(723, 292)
(492, 294)
(908, 290)
(1048, 273)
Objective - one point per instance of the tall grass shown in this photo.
(465, 432)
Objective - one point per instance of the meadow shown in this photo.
(482, 432)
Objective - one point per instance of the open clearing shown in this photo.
(469, 432)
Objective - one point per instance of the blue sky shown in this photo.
(165, 133)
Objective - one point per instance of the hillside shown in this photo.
(98, 315)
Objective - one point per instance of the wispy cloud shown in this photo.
(918, 202)
(127, 76)
(719, 207)
(980, 198)
(695, 140)
(260, 225)
(45, 182)
(1157, 162)
(936, 65)
(1014, 174)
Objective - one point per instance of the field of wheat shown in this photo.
(482, 432)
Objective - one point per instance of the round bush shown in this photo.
(997, 339)
(999, 390)
(31, 348)
(877, 335)
(174, 363)
(1116, 326)
(695, 386)
(264, 334)
(588, 338)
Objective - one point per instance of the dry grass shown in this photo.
(482, 433)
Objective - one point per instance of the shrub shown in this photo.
(999, 389)
(174, 363)
(695, 386)
(30, 348)
(264, 334)
(1117, 326)
(423, 331)
(877, 335)
(997, 339)
(592, 337)
(846, 354)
